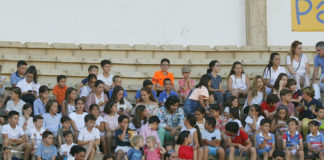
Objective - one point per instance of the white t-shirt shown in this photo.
(99, 100)
(70, 108)
(235, 120)
(274, 74)
(78, 119)
(113, 121)
(13, 133)
(211, 136)
(66, 148)
(192, 131)
(239, 83)
(201, 126)
(25, 86)
(84, 135)
(255, 100)
(37, 135)
(302, 66)
(85, 91)
(249, 120)
(12, 107)
(108, 81)
(98, 122)
(199, 91)
(30, 124)
(227, 110)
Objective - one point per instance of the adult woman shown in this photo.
(298, 65)
(97, 97)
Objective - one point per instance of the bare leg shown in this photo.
(288, 154)
(200, 154)
(206, 150)
(27, 149)
(120, 155)
(221, 153)
(265, 155)
(103, 143)
(231, 153)
(321, 156)
(89, 149)
(301, 155)
(253, 153)
(92, 154)
(109, 142)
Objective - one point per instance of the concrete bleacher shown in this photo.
(133, 63)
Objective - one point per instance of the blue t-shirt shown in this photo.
(14, 78)
(125, 142)
(111, 91)
(215, 81)
(319, 62)
(134, 154)
(260, 139)
(164, 96)
(307, 110)
(46, 152)
(315, 141)
(39, 107)
(84, 81)
(138, 94)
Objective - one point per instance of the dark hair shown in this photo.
(78, 99)
(232, 127)
(276, 84)
(192, 121)
(211, 65)
(272, 56)
(37, 117)
(92, 67)
(26, 106)
(230, 101)
(98, 82)
(46, 134)
(284, 92)
(201, 110)
(115, 92)
(165, 80)
(279, 153)
(276, 117)
(204, 79)
(257, 108)
(293, 120)
(89, 117)
(154, 119)
(93, 106)
(314, 122)
(210, 121)
(16, 90)
(172, 100)
(149, 91)
(32, 70)
(65, 133)
(65, 119)
(165, 60)
(293, 47)
(320, 44)
(43, 89)
(235, 112)
(12, 113)
(91, 76)
(121, 118)
(272, 98)
(264, 121)
(137, 117)
(182, 136)
(68, 92)
(147, 82)
(233, 67)
(115, 77)
(60, 77)
(107, 156)
(76, 149)
(109, 105)
(215, 107)
(104, 62)
(49, 104)
(21, 63)
(291, 82)
(318, 108)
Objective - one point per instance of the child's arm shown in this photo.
(196, 141)
(59, 139)
(301, 145)
(101, 127)
(229, 143)
(284, 144)
(74, 127)
(262, 145)
(64, 105)
(249, 98)
(214, 143)
(247, 82)
(229, 84)
(248, 145)
(39, 158)
(33, 144)
(273, 126)
(201, 101)
(121, 137)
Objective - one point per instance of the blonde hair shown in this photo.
(309, 91)
(150, 138)
(254, 87)
(137, 138)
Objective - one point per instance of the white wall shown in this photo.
(279, 26)
(183, 22)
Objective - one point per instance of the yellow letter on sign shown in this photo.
(307, 15)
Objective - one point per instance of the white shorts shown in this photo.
(123, 148)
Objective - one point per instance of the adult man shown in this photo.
(319, 62)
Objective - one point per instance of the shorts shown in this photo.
(123, 148)
(293, 151)
(261, 151)
(212, 150)
(237, 152)
(19, 147)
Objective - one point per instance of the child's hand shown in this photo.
(268, 138)
(64, 153)
(101, 103)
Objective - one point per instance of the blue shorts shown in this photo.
(212, 150)
(237, 152)
(260, 151)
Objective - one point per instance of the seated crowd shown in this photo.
(280, 116)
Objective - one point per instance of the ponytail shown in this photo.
(198, 134)
(211, 65)
(270, 63)
(32, 70)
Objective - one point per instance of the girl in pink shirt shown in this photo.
(152, 152)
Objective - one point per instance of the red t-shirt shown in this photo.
(266, 107)
(185, 152)
(241, 138)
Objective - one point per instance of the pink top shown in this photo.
(112, 121)
(146, 131)
(196, 92)
(182, 83)
(290, 107)
(152, 154)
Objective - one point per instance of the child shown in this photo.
(122, 137)
(198, 96)
(211, 138)
(123, 106)
(59, 90)
(26, 121)
(14, 137)
(68, 105)
(235, 117)
(285, 96)
(46, 151)
(98, 96)
(86, 90)
(146, 83)
(106, 77)
(296, 93)
(140, 118)
(293, 141)
(78, 152)
(268, 108)
(232, 103)
(147, 99)
(89, 136)
(66, 147)
(92, 69)
(39, 103)
(315, 141)
(159, 76)
(253, 120)
(37, 132)
(150, 129)
(220, 119)
(200, 114)
(108, 156)
(111, 119)
(19, 74)
(183, 148)
(190, 125)
(265, 141)
(238, 142)
(216, 85)
(77, 117)
(29, 86)
(280, 84)
(51, 118)
(4, 95)
(279, 124)
(100, 125)
(238, 82)
(152, 152)
(167, 83)
(15, 104)
(186, 84)
(320, 118)
(135, 152)
(257, 93)
(117, 81)
(66, 124)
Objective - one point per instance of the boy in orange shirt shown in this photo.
(159, 76)
(59, 90)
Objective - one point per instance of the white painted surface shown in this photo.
(184, 22)
(279, 26)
